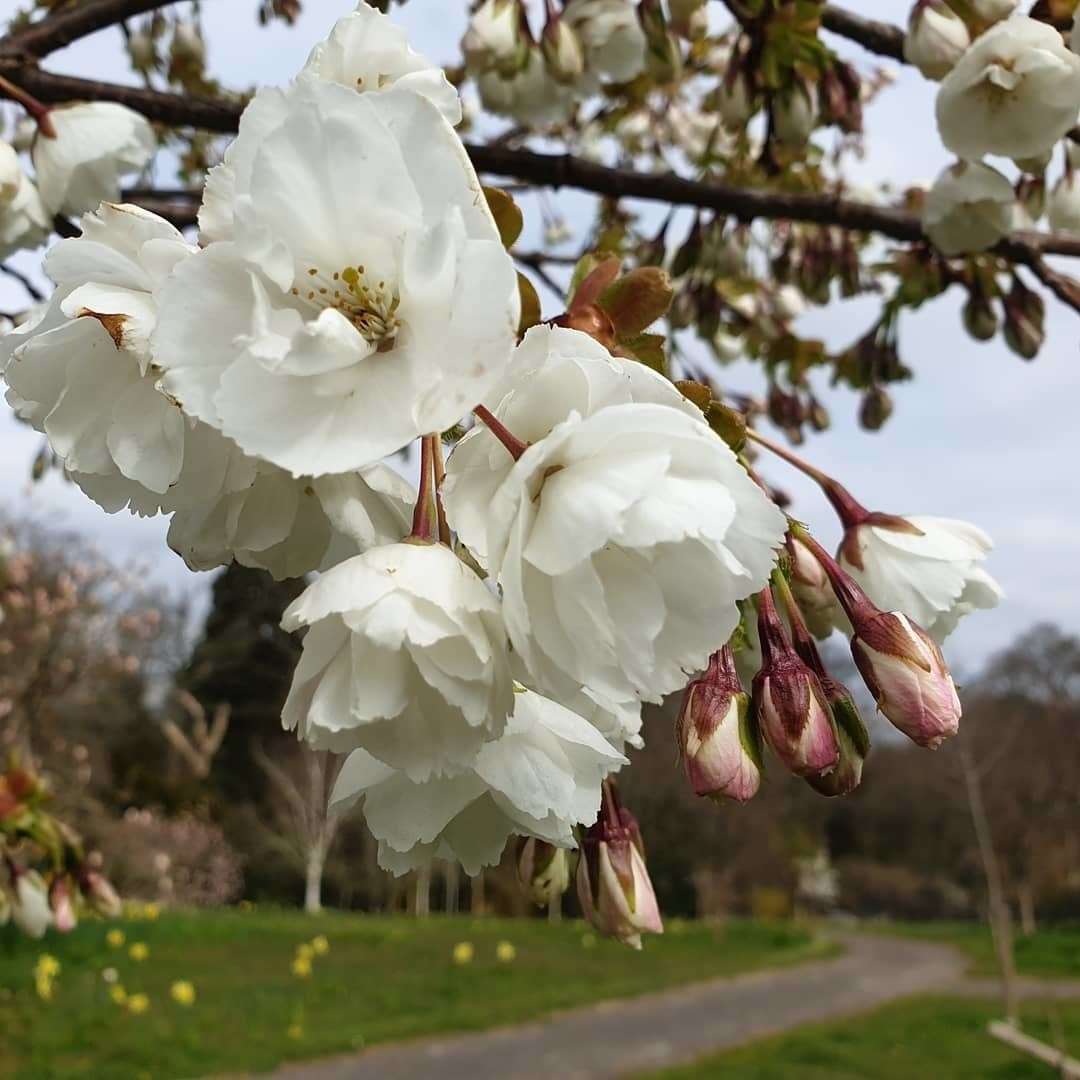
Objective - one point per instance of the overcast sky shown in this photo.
(979, 434)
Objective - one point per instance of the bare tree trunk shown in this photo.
(313, 874)
(1025, 894)
(1000, 919)
(422, 902)
(476, 894)
(452, 877)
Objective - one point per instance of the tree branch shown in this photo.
(881, 38)
(55, 31)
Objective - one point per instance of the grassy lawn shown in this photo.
(382, 979)
(1053, 952)
(941, 1038)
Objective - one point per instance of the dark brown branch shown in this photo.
(565, 170)
(881, 38)
(55, 31)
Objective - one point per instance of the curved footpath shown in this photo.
(619, 1038)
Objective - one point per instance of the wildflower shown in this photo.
(463, 953)
(182, 992)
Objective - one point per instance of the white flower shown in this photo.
(611, 36)
(232, 506)
(1063, 206)
(1015, 92)
(23, 220)
(564, 55)
(30, 904)
(795, 113)
(969, 208)
(734, 100)
(933, 575)
(529, 95)
(622, 542)
(991, 11)
(81, 372)
(555, 372)
(367, 51)
(539, 779)
(96, 144)
(494, 38)
(936, 38)
(364, 297)
(406, 657)
(789, 302)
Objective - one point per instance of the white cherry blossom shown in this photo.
(611, 36)
(364, 297)
(936, 38)
(1014, 92)
(369, 52)
(540, 778)
(405, 657)
(97, 143)
(24, 222)
(933, 576)
(969, 208)
(1063, 204)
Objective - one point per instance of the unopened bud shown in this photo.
(1025, 314)
(789, 703)
(936, 38)
(875, 409)
(543, 870)
(1063, 209)
(141, 49)
(795, 113)
(663, 58)
(98, 892)
(735, 100)
(29, 902)
(613, 883)
(852, 738)
(188, 47)
(812, 590)
(60, 902)
(494, 38)
(718, 742)
(980, 318)
(563, 53)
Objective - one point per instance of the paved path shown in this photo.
(619, 1038)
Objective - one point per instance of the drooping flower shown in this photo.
(613, 884)
(494, 39)
(715, 734)
(543, 870)
(405, 657)
(540, 778)
(29, 900)
(936, 38)
(529, 94)
(555, 372)
(24, 222)
(929, 569)
(81, 370)
(622, 542)
(611, 36)
(969, 208)
(1014, 92)
(97, 143)
(368, 52)
(1063, 205)
(363, 296)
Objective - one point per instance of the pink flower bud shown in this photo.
(60, 901)
(789, 702)
(812, 590)
(716, 735)
(905, 671)
(852, 738)
(613, 883)
(99, 893)
(543, 870)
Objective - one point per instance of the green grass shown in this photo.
(383, 979)
(942, 1038)
(1053, 952)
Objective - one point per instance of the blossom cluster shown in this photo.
(479, 645)
(1010, 88)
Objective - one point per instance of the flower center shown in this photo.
(371, 308)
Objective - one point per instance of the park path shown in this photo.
(619, 1038)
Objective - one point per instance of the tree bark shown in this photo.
(422, 894)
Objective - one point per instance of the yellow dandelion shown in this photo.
(295, 1031)
(118, 995)
(151, 911)
(320, 945)
(47, 966)
(43, 984)
(137, 1004)
(463, 953)
(182, 992)
(246, 905)
(505, 952)
(115, 939)
(139, 951)
(305, 952)
(301, 966)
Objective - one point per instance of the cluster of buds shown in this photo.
(44, 876)
(613, 884)
(814, 259)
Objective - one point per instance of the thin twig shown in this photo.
(55, 31)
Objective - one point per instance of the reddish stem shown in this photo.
(514, 446)
(801, 637)
(856, 604)
(850, 511)
(421, 523)
(38, 112)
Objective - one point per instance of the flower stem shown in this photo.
(850, 511)
(514, 446)
(853, 600)
(38, 112)
(801, 637)
(421, 523)
(439, 472)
